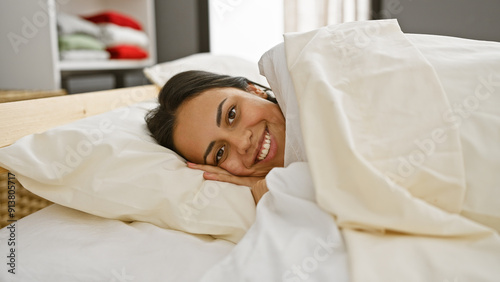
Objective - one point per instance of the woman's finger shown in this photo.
(238, 180)
(219, 174)
(208, 168)
(257, 185)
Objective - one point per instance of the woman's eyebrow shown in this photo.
(219, 112)
(218, 119)
(207, 151)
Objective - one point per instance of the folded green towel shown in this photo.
(79, 41)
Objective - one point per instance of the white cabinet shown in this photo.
(29, 57)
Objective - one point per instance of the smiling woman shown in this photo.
(228, 126)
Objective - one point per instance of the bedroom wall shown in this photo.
(177, 35)
(474, 19)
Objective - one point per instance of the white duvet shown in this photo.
(293, 239)
(402, 140)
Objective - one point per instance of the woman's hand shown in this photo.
(257, 185)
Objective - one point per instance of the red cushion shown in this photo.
(116, 18)
(127, 52)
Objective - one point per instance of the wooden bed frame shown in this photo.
(34, 116)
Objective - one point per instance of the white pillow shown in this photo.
(223, 64)
(62, 244)
(108, 165)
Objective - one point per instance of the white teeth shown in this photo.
(265, 147)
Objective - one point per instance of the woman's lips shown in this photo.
(259, 146)
(264, 150)
(267, 149)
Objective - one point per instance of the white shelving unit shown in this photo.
(30, 55)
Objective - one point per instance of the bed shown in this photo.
(391, 160)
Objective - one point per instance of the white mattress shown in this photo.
(62, 244)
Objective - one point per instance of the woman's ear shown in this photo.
(256, 90)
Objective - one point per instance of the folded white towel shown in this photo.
(112, 35)
(69, 24)
(84, 55)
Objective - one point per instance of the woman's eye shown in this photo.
(220, 154)
(231, 115)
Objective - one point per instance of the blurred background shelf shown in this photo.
(32, 52)
(103, 65)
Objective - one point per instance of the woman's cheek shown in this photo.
(234, 167)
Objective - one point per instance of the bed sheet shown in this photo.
(62, 244)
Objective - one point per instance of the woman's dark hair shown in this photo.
(161, 121)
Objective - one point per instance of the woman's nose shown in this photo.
(242, 141)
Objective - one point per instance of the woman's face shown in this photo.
(237, 130)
